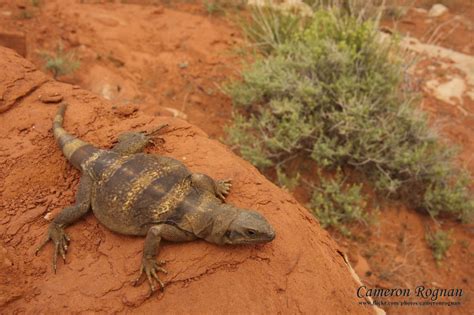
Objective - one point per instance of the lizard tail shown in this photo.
(74, 149)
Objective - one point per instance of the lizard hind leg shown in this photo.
(66, 217)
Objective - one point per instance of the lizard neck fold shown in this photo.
(213, 223)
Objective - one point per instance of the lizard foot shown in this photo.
(223, 188)
(60, 241)
(150, 267)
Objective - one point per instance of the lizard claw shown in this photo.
(60, 240)
(156, 130)
(151, 136)
(223, 188)
(150, 267)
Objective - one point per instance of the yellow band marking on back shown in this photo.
(71, 147)
(87, 163)
(112, 168)
(139, 185)
(176, 194)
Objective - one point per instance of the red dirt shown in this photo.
(301, 271)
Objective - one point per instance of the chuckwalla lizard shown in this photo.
(134, 193)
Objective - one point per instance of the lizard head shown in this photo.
(248, 227)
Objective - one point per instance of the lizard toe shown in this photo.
(60, 241)
(153, 273)
(157, 267)
(223, 188)
(42, 244)
(150, 268)
(137, 281)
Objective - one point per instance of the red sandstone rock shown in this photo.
(14, 40)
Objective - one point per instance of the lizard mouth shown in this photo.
(262, 238)
(270, 237)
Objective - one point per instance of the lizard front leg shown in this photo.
(220, 188)
(150, 267)
(66, 217)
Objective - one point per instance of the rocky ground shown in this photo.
(167, 61)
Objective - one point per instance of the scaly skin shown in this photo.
(157, 197)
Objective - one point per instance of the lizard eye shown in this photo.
(227, 233)
(251, 232)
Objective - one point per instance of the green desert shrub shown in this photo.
(334, 92)
(439, 242)
(287, 181)
(337, 204)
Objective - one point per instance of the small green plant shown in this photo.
(35, 3)
(61, 62)
(439, 242)
(337, 204)
(450, 195)
(213, 7)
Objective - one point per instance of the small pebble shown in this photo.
(126, 110)
(437, 10)
(51, 98)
